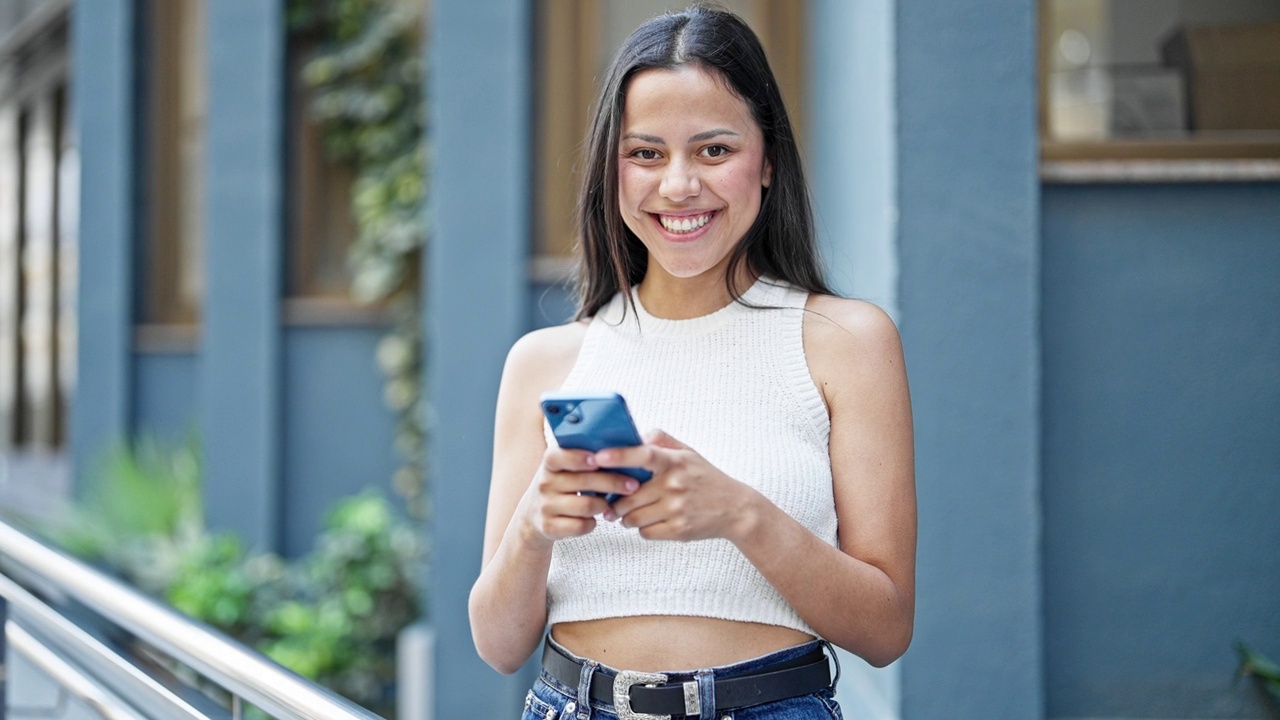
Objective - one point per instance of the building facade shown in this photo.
(1090, 333)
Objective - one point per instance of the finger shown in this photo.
(664, 530)
(563, 527)
(662, 439)
(640, 509)
(606, 483)
(574, 506)
(625, 457)
(561, 460)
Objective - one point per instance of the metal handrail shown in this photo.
(87, 651)
(82, 687)
(243, 672)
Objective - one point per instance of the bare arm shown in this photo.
(861, 595)
(864, 601)
(533, 500)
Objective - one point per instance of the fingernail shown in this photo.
(632, 485)
(610, 515)
(591, 461)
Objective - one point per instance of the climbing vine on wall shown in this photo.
(365, 74)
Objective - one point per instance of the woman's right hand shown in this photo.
(568, 493)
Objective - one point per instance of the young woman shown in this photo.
(781, 512)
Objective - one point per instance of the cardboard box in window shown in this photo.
(1232, 75)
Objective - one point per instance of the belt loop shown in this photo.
(831, 652)
(584, 689)
(706, 693)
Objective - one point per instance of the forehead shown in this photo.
(686, 95)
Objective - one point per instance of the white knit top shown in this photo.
(733, 386)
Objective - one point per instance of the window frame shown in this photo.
(37, 240)
(1244, 157)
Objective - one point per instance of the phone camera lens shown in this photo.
(553, 409)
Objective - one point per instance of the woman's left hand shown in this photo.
(687, 498)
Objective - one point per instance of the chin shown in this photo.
(686, 272)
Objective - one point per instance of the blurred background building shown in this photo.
(1071, 207)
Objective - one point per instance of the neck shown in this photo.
(673, 298)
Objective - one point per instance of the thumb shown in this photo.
(661, 439)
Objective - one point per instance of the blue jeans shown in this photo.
(552, 700)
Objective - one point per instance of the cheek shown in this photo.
(631, 183)
(742, 182)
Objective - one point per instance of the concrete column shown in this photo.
(239, 370)
(968, 191)
(477, 285)
(104, 102)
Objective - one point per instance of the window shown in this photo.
(1160, 79)
(176, 106)
(576, 40)
(321, 227)
(38, 179)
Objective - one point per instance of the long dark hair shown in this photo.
(780, 243)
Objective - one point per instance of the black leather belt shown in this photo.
(643, 696)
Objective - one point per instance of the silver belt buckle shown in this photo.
(622, 685)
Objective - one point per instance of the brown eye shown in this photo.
(716, 151)
(645, 154)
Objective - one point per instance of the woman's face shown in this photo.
(691, 169)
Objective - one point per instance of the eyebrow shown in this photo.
(708, 134)
(704, 135)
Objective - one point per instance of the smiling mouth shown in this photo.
(686, 224)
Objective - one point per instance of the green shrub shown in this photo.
(1260, 668)
(332, 615)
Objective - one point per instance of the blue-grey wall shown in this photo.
(852, 148)
(476, 307)
(166, 388)
(1161, 331)
(338, 434)
(969, 293)
(290, 419)
(243, 250)
(104, 102)
(550, 304)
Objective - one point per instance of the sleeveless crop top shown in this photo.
(735, 387)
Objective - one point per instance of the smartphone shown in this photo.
(593, 422)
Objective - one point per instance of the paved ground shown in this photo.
(32, 484)
(33, 695)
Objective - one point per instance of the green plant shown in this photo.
(141, 513)
(366, 79)
(1266, 672)
(332, 615)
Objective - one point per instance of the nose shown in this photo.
(680, 181)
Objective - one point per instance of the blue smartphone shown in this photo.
(593, 422)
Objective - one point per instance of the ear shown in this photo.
(766, 178)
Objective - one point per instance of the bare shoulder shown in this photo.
(849, 343)
(538, 362)
(842, 325)
(541, 359)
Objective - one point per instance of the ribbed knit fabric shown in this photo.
(734, 386)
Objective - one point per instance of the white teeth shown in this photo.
(684, 225)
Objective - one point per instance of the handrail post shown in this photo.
(4, 656)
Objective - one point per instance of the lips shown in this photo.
(684, 224)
